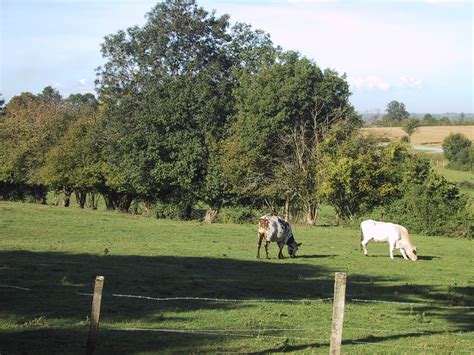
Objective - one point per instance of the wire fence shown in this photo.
(255, 300)
(315, 331)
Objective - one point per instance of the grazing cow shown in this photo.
(276, 229)
(396, 236)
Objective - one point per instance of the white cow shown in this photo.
(396, 236)
(276, 229)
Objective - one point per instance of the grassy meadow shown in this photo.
(51, 255)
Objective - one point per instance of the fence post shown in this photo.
(95, 314)
(338, 313)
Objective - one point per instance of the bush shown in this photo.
(170, 211)
(459, 151)
(405, 139)
(434, 208)
(23, 192)
(239, 215)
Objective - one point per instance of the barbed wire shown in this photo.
(16, 287)
(244, 332)
(303, 300)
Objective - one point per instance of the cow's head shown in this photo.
(292, 248)
(412, 254)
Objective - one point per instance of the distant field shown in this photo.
(49, 257)
(424, 135)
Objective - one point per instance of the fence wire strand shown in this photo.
(223, 299)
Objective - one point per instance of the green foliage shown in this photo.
(396, 112)
(239, 215)
(405, 139)
(286, 98)
(410, 126)
(459, 150)
(433, 207)
(362, 174)
(30, 127)
(169, 210)
(162, 118)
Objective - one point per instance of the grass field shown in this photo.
(424, 135)
(50, 255)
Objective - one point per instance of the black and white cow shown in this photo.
(276, 229)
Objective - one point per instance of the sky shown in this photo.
(417, 52)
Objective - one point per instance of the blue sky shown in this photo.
(416, 52)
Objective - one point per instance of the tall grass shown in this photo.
(56, 253)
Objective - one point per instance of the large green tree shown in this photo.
(281, 112)
(396, 112)
(167, 97)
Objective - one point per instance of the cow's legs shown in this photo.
(392, 248)
(280, 248)
(259, 244)
(403, 253)
(267, 243)
(364, 246)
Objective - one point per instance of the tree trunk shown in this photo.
(109, 202)
(311, 214)
(287, 209)
(93, 200)
(211, 214)
(67, 196)
(124, 202)
(81, 198)
(55, 198)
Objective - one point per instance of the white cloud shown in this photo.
(370, 82)
(82, 82)
(408, 82)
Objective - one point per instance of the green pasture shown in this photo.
(50, 256)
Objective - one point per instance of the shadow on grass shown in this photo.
(55, 279)
(331, 256)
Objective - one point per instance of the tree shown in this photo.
(32, 124)
(361, 175)
(74, 163)
(281, 112)
(164, 84)
(396, 112)
(410, 126)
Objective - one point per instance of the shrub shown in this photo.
(170, 211)
(239, 215)
(434, 207)
(459, 151)
(405, 139)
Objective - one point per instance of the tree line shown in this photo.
(191, 111)
(396, 115)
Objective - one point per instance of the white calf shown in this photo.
(396, 236)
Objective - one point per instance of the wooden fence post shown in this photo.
(95, 314)
(338, 313)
